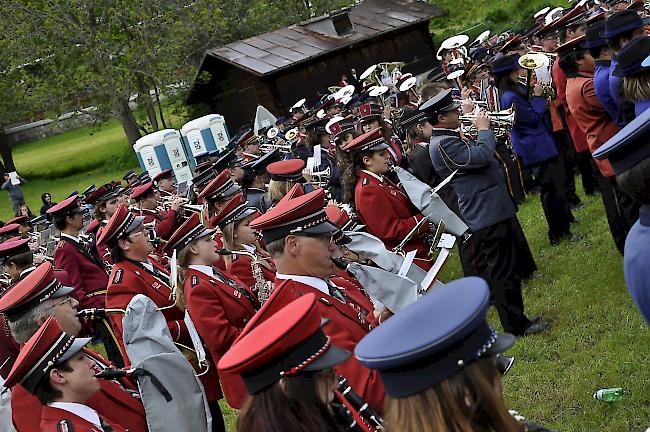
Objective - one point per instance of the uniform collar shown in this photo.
(26, 272)
(76, 239)
(80, 410)
(206, 270)
(644, 215)
(444, 132)
(372, 174)
(250, 248)
(313, 282)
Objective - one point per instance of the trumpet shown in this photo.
(502, 121)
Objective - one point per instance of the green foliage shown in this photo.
(474, 17)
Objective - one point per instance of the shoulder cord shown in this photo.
(444, 154)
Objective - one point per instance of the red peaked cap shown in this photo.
(20, 220)
(302, 215)
(163, 174)
(66, 206)
(48, 347)
(221, 187)
(9, 229)
(287, 343)
(290, 169)
(235, 210)
(121, 223)
(38, 286)
(10, 248)
(103, 193)
(373, 140)
(142, 191)
(192, 229)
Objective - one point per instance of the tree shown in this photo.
(103, 53)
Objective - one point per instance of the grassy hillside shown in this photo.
(474, 17)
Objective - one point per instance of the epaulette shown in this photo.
(365, 181)
(60, 244)
(64, 425)
(118, 276)
(194, 281)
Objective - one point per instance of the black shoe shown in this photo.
(535, 327)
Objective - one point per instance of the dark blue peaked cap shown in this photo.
(433, 338)
(629, 146)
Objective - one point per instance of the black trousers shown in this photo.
(621, 210)
(218, 424)
(568, 160)
(588, 172)
(493, 258)
(550, 175)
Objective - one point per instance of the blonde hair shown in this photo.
(229, 240)
(278, 189)
(183, 259)
(636, 88)
(466, 402)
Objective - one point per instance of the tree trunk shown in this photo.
(129, 124)
(160, 110)
(148, 103)
(5, 151)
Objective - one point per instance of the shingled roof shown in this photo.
(271, 52)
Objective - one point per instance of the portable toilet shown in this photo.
(204, 134)
(163, 150)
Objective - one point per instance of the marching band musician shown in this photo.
(284, 176)
(164, 182)
(371, 118)
(634, 74)
(341, 130)
(135, 273)
(446, 378)
(484, 204)
(298, 236)
(27, 305)
(592, 118)
(534, 144)
(248, 262)
(380, 204)
(105, 201)
(147, 198)
(220, 305)
(620, 29)
(317, 135)
(287, 364)
(53, 366)
(218, 192)
(248, 144)
(85, 270)
(255, 179)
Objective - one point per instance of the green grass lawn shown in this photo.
(597, 338)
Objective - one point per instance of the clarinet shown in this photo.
(343, 415)
(362, 408)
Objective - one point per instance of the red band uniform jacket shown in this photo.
(220, 307)
(86, 272)
(390, 215)
(117, 399)
(128, 279)
(166, 223)
(346, 326)
(240, 266)
(591, 116)
(58, 420)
